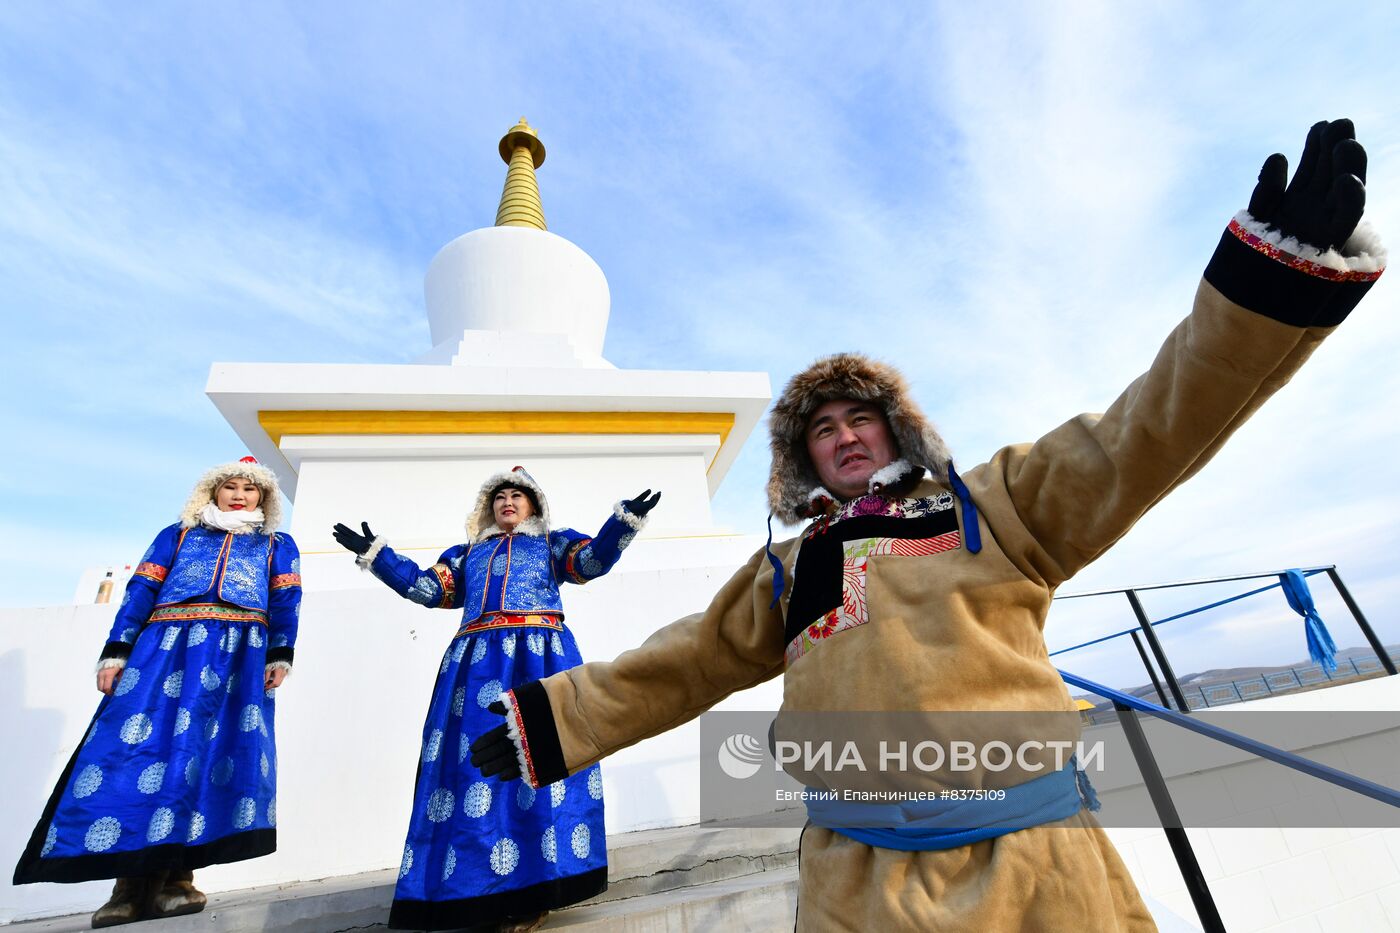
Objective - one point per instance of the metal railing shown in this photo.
(1149, 647)
(1129, 706)
(1170, 691)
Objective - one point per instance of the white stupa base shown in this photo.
(493, 348)
(417, 488)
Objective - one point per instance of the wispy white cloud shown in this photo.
(1012, 205)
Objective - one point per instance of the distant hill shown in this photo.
(1221, 675)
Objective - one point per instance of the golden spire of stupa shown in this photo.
(520, 201)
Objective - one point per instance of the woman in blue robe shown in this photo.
(178, 768)
(478, 854)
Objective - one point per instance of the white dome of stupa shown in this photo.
(488, 289)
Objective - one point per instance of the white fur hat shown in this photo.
(248, 468)
(481, 523)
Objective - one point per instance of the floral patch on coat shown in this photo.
(853, 610)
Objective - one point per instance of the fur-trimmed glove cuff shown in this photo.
(366, 559)
(630, 519)
(114, 654)
(105, 663)
(1301, 254)
(1258, 268)
(634, 511)
(527, 745)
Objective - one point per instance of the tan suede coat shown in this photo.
(958, 630)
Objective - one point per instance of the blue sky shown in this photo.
(1013, 205)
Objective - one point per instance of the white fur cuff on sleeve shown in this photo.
(1362, 252)
(635, 522)
(367, 558)
(278, 666)
(514, 732)
(107, 663)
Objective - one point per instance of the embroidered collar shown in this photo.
(891, 480)
(875, 504)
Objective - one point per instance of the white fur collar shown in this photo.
(534, 526)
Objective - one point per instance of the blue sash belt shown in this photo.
(920, 825)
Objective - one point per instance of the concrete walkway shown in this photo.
(690, 878)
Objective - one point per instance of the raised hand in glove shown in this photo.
(640, 504)
(1323, 204)
(347, 539)
(494, 753)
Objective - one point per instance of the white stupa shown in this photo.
(516, 375)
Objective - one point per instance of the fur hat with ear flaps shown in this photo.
(481, 523)
(248, 468)
(793, 484)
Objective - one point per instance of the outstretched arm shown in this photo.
(578, 558)
(438, 587)
(1278, 283)
(559, 725)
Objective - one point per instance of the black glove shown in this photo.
(360, 544)
(640, 505)
(1323, 204)
(493, 754)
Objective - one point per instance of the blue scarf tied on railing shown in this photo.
(1321, 648)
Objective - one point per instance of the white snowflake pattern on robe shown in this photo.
(489, 693)
(549, 847)
(433, 746)
(580, 841)
(129, 679)
(152, 777)
(505, 855)
(244, 813)
(88, 781)
(440, 805)
(136, 729)
(162, 822)
(102, 834)
(478, 800)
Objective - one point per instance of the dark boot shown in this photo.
(522, 924)
(126, 905)
(175, 895)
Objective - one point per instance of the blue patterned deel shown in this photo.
(178, 766)
(470, 836)
(231, 568)
(479, 849)
(183, 752)
(510, 573)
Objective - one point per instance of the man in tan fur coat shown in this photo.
(953, 576)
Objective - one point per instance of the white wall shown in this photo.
(427, 500)
(1288, 880)
(349, 720)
